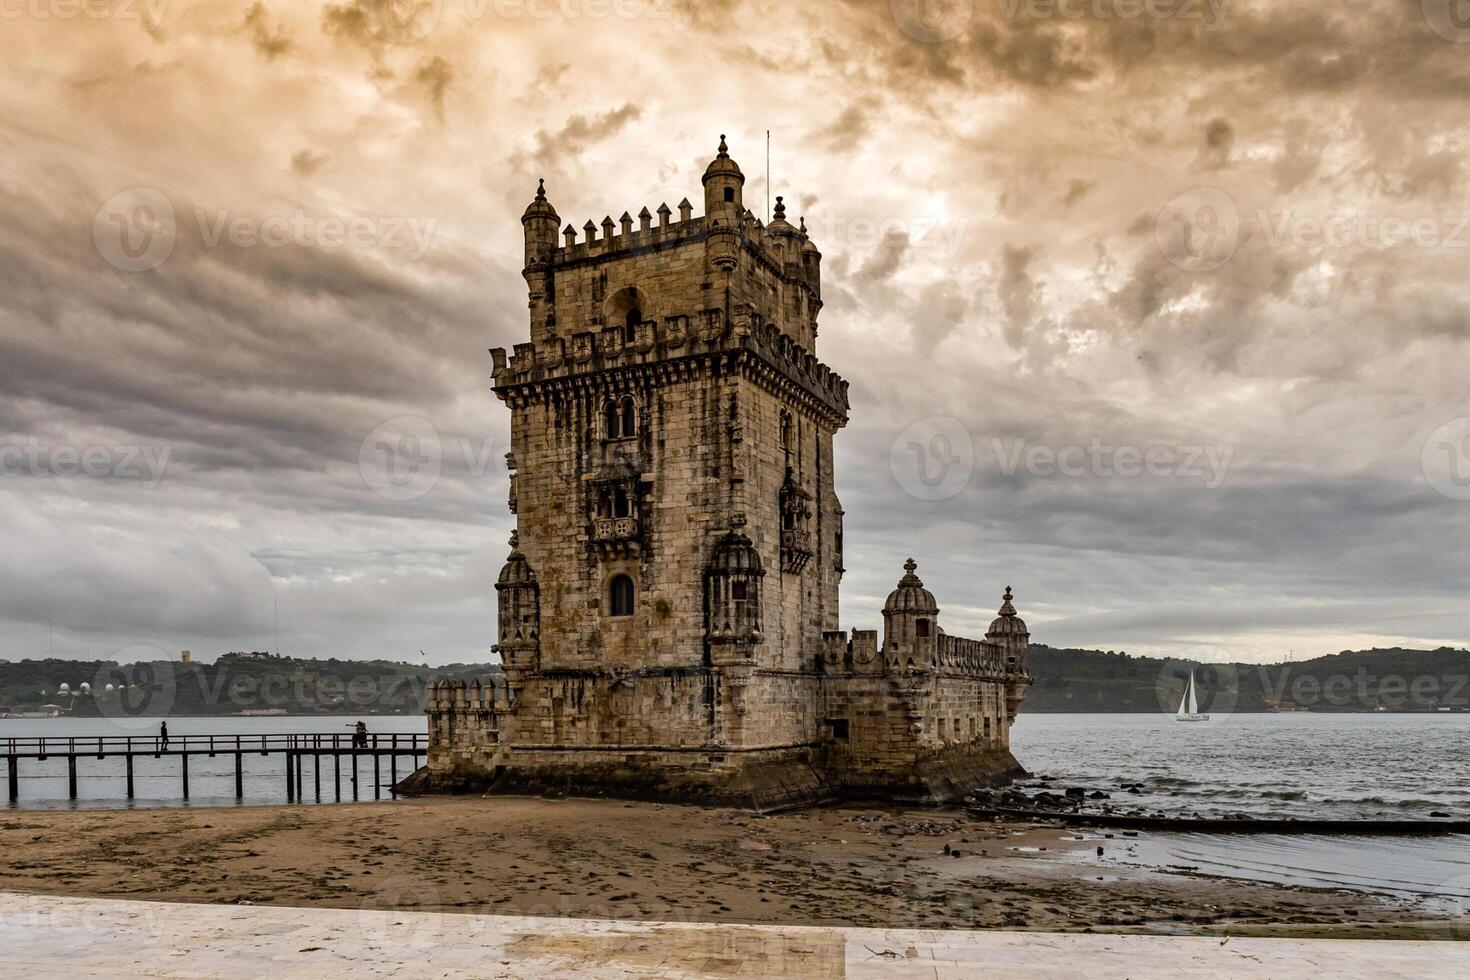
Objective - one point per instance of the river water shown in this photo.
(1347, 766)
(1298, 764)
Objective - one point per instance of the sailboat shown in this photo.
(1189, 707)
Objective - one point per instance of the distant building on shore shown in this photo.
(669, 610)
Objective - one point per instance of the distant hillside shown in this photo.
(1364, 680)
(1066, 680)
(235, 684)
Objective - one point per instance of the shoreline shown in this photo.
(843, 865)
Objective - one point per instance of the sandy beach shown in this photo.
(846, 866)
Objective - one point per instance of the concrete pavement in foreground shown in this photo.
(84, 937)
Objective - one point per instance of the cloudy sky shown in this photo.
(1158, 314)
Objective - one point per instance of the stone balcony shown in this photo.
(616, 535)
(796, 548)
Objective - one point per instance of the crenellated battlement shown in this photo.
(659, 342)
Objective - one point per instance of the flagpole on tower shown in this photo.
(768, 176)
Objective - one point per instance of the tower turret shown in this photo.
(520, 617)
(723, 187)
(1008, 631)
(540, 223)
(910, 622)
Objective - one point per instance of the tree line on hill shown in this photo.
(252, 683)
(1074, 680)
(1393, 679)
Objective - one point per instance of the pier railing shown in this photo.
(294, 748)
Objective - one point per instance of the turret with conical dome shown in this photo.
(724, 185)
(910, 621)
(518, 599)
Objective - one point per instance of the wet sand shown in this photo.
(845, 866)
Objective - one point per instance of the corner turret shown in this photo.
(910, 622)
(540, 222)
(723, 187)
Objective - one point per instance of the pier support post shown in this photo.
(184, 770)
(337, 773)
(316, 774)
(13, 765)
(393, 774)
(128, 759)
(290, 783)
(377, 779)
(354, 775)
(71, 775)
(300, 757)
(239, 777)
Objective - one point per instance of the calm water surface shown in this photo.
(1345, 766)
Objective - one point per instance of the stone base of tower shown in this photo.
(944, 777)
(764, 781)
(760, 781)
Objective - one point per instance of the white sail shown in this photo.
(1189, 704)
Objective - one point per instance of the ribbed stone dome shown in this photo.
(910, 596)
(540, 207)
(722, 165)
(516, 570)
(1007, 623)
(735, 553)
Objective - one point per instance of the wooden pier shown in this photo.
(293, 749)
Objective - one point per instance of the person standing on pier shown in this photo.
(163, 734)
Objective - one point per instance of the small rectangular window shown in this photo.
(922, 627)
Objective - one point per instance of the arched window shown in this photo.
(786, 432)
(620, 596)
(729, 194)
(619, 419)
(620, 503)
(630, 325)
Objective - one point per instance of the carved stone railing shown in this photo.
(608, 530)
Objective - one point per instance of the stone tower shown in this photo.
(669, 606)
